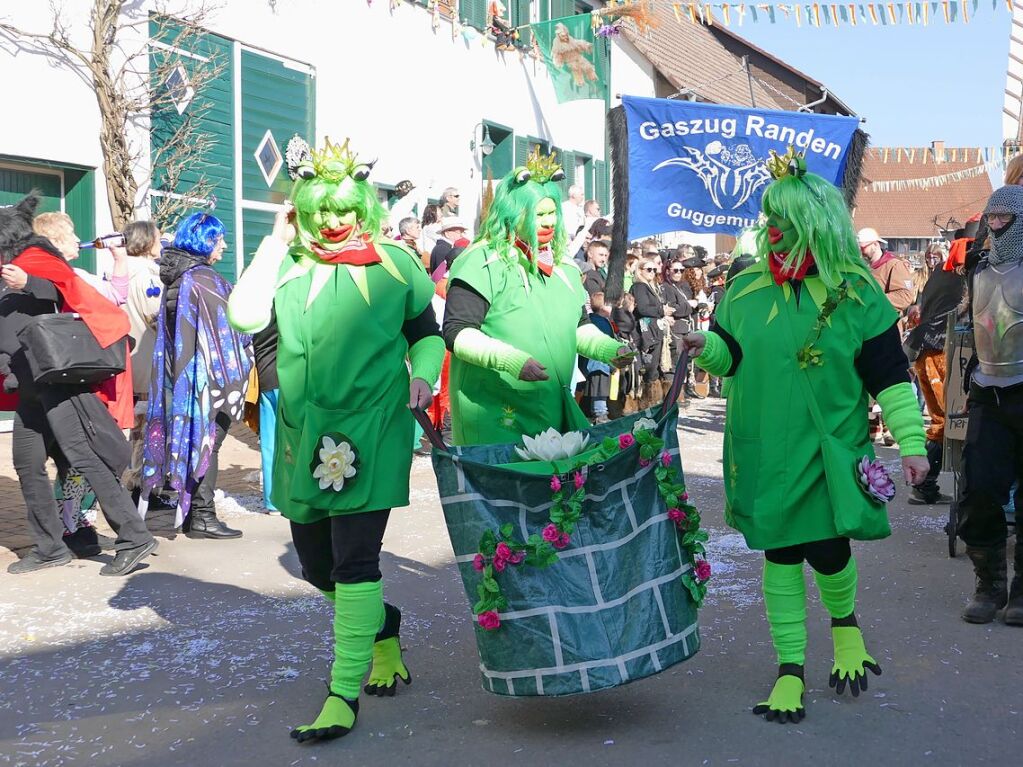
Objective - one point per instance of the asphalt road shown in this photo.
(211, 653)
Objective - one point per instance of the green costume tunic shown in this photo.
(342, 370)
(776, 493)
(536, 314)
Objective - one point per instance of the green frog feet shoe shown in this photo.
(785, 703)
(851, 661)
(336, 719)
(388, 666)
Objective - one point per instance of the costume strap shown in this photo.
(676, 383)
(804, 381)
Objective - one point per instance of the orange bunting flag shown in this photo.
(947, 11)
(815, 16)
(692, 13)
(677, 8)
(725, 13)
(873, 13)
(891, 14)
(852, 14)
(799, 15)
(708, 15)
(909, 13)
(966, 14)
(923, 12)
(742, 13)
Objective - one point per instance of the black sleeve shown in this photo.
(733, 347)
(882, 362)
(422, 326)
(439, 254)
(41, 288)
(465, 308)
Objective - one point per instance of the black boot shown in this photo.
(1014, 610)
(203, 523)
(990, 566)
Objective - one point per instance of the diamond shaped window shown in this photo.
(179, 88)
(268, 158)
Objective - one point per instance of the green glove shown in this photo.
(901, 412)
(427, 357)
(476, 347)
(851, 661)
(592, 343)
(715, 357)
(785, 703)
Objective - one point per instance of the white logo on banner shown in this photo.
(731, 174)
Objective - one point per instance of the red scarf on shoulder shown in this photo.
(108, 323)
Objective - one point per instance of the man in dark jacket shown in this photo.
(597, 253)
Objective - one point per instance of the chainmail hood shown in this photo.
(1007, 243)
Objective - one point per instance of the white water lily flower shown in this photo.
(336, 464)
(644, 424)
(551, 445)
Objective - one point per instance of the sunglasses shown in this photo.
(676, 271)
(649, 268)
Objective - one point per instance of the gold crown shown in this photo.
(542, 167)
(792, 163)
(323, 159)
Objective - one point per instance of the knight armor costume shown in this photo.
(991, 456)
(998, 323)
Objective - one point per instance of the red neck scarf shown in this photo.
(545, 261)
(359, 252)
(782, 274)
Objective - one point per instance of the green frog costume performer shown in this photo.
(808, 336)
(514, 318)
(353, 312)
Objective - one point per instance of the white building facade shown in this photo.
(412, 88)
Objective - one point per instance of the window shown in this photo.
(524, 146)
(474, 13)
(268, 158)
(584, 174)
(521, 14)
(502, 159)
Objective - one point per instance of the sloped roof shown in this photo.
(690, 56)
(912, 212)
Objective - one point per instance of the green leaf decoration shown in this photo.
(488, 544)
(609, 445)
(507, 530)
(491, 585)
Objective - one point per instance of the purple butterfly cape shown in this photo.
(200, 370)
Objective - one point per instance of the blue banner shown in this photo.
(700, 167)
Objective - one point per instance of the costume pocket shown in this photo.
(742, 472)
(857, 516)
(335, 457)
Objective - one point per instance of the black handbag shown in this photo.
(61, 349)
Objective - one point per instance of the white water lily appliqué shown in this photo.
(337, 464)
(550, 445)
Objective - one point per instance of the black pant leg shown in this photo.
(357, 539)
(989, 470)
(828, 557)
(202, 497)
(29, 447)
(787, 555)
(115, 502)
(315, 552)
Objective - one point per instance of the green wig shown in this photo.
(330, 183)
(817, 211)
(512, 214)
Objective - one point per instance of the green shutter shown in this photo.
(502, 159)
(214, 107)
(80, 204)
(521, 150)
(474, 13)
(567, 160)
(562, 8)
(601, 184)
(520, 17)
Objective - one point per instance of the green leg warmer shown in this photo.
(358, 615)
(785, 602)
(838, 593)
(328, 595)
(388, 666)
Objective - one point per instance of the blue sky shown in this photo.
(914, 84)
